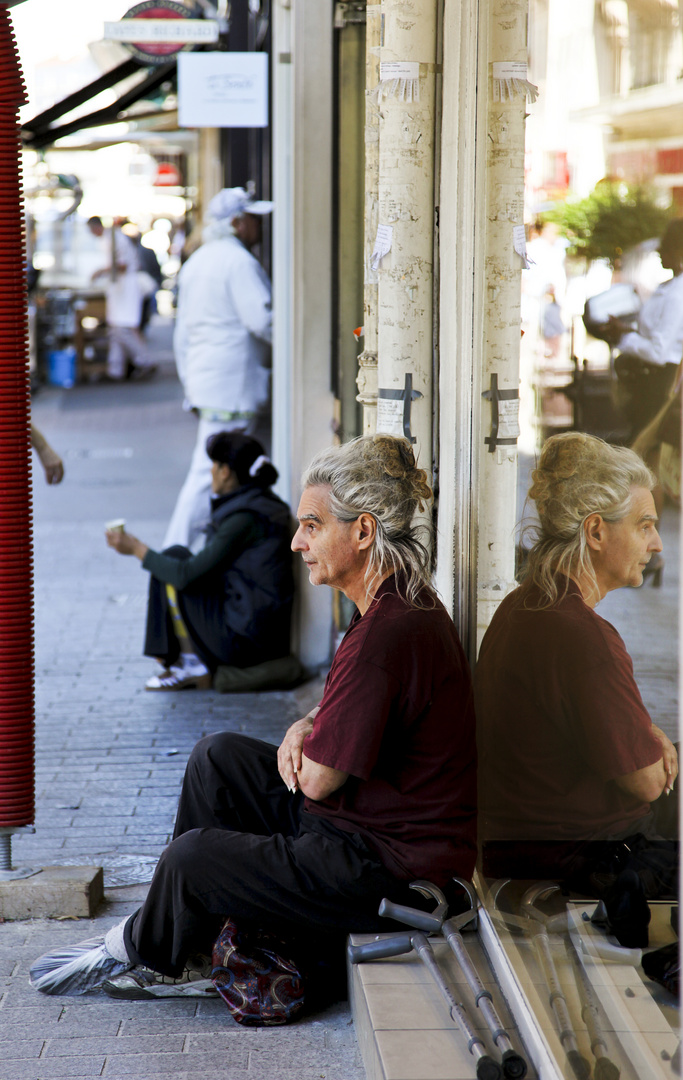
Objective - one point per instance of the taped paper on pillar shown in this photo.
(389, 417)
(504, 415)
(399, 79)
(508, 419)
(382, 245)
(519, 244)
(510, 81)
(394, 408)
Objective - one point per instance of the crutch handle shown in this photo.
(380, 948)
(421, 920)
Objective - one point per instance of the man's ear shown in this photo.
(367, 530)
(594, 530)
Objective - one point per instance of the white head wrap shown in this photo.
(260, 460)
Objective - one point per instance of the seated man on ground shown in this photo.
(374, 788)
(231, 603)
(571, 765)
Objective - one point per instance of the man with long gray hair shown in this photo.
(374, 788)
(571, 766)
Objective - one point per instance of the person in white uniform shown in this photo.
(649, 356)
(221, 342)
(124, 307)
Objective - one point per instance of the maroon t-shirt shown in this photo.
(559, 717)
(397, 715)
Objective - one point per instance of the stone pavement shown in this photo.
(110, 757)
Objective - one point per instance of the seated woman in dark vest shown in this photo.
(230, 603)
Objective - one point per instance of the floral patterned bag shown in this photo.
(260, 985)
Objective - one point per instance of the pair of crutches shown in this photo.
(512, 1065)
(535, 922)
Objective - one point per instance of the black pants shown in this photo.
(646, 387)
(202, 606)
(243, 846)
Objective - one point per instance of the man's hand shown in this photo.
(125, 544)
(669, 758)
(290, 751)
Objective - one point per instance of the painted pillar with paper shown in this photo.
(404, 240)
(367, 360)
(509, 90)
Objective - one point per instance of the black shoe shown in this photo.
(663, 966)
(628, 911)
(142, 374)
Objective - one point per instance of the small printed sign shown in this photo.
(152, 31)
(223, 89)
(510, 69)
(390, 417)
(398, 69)
(382, 245)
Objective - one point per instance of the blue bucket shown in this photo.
(61, 367)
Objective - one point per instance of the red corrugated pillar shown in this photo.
(16, 569)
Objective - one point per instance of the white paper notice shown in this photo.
(390, 416)
(519, 244)
(508, 419)
(223, 89)
(398, 69)
(510, 81)
(510, 69)
(382, 245)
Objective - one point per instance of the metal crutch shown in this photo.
(558, 1002)
(486, 1067)
(514, 1065)
(604, 1068)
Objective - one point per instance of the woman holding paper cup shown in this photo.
(231, 602)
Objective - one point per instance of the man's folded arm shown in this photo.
(318, 781)
(646, 784)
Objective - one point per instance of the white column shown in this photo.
(496, 477)
(302, 265)
(406, 205)
(461, 202)
(367, 361)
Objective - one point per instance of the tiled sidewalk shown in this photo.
(110, 758)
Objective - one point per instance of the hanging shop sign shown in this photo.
(223, 89)
(168, 175)
(156, 30)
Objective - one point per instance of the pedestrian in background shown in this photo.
(231, 603)
(221, 343)
(53, 465)
(124, 297)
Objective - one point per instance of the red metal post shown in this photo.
(16, 552)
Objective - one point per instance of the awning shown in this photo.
(38, 133)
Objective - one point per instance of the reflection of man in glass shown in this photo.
(568, 753)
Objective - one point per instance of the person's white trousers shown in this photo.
(193, 507)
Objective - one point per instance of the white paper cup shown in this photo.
(117, 525)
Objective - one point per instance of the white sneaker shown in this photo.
(180, 678)
(141, 984)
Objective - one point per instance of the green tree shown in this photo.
(612, 219)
